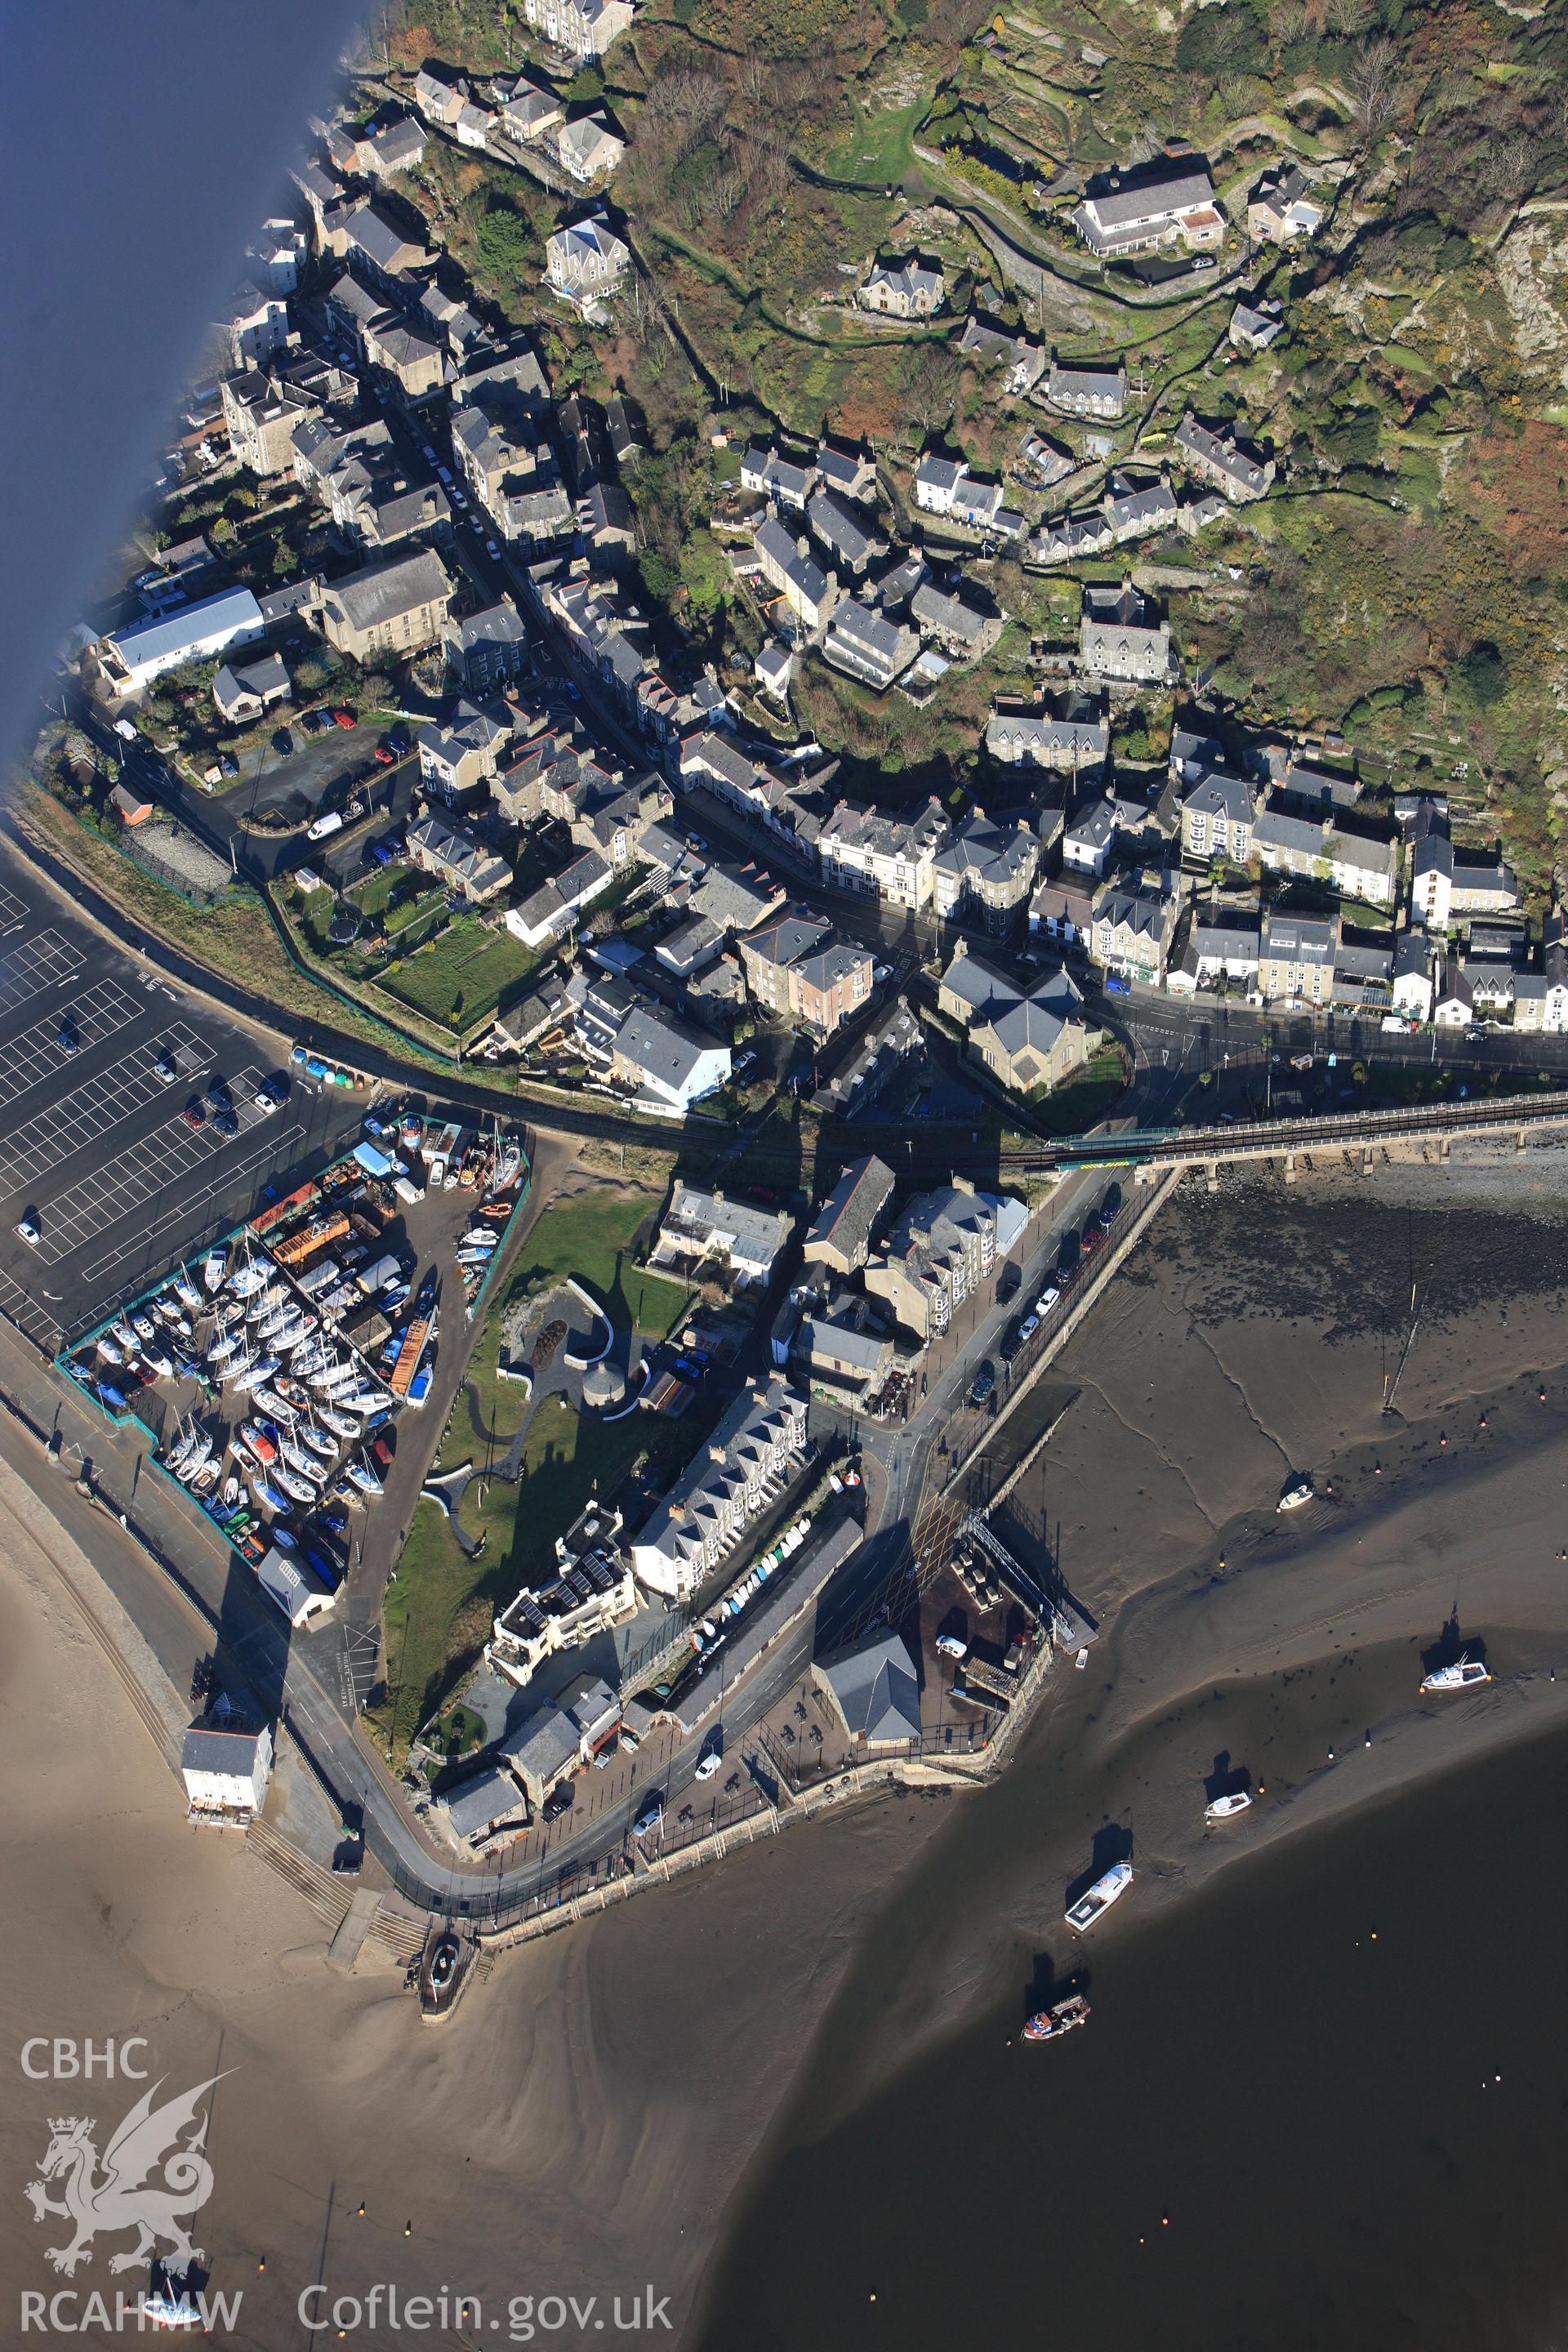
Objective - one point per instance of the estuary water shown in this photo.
(1321, 2102)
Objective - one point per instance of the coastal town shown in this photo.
(595, 1337)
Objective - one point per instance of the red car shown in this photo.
(382, 1452)
(343, 717)
(385, 759)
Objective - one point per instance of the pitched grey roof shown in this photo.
(1175, 186)
(948, 616)
(1295, 938)
(661, 1046)
(381, 590)
(1300, 837)
(846, 1218)
(489, 1797)
(847, 531)
(1219, 794)
(876, 1689)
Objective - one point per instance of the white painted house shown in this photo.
(225, 1773)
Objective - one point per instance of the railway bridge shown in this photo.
(1149, 1151)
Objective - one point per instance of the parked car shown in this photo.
(224, 1122)
(708, 1764)
(29, 1227)
(1027, 1328)
(228, 766)
(342, 719)
(651, 1814)
(383, 758)
(1046, 1300)
(165, 1069)
(382, 1452)
(558, 1801)
(193, 1115)
(492, 551)
(69, 1038)
(1092, 1237)
(948, 1645)
(982, 1385)
(283, 743)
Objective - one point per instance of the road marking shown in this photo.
(142, 1173)
(33, 965)
(90, 1109)
(37, 1053)
(25, 1311)
(12, 910)
(93, 1274)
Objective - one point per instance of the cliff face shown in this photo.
(1531, 264)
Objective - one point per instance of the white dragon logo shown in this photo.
(124, 2196)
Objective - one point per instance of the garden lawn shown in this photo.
(463, 975)
(591, 1236)
(439, 1611)
(1083, 1101)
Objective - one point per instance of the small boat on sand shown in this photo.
(1106, 1890)
(1050, 2024)
(1298, 1492)
(1469, 1674)
(1223, 1807)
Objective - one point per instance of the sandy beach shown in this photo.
(573, 2131)
(582, 2126)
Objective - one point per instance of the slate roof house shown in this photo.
(1027, 1037)
(1150, 205)
(874, 1691)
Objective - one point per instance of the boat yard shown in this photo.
(277, 1373)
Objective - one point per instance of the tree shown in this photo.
(1374, 88)
(930, 384)
(1219, 42)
